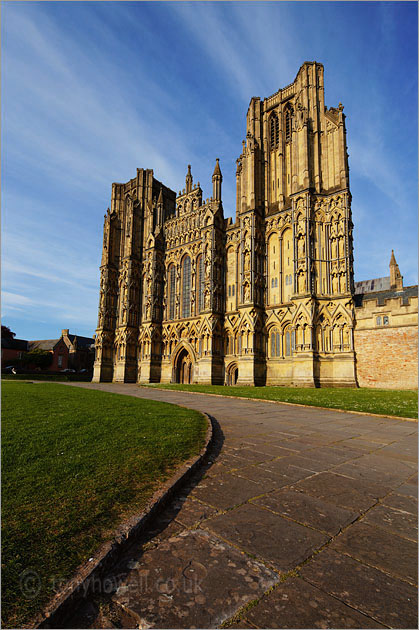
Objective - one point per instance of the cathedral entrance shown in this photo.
(232, 374)
(183, 368)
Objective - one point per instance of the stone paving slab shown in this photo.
(395, 521)
(254, 455)
(268, 481)
(363, 444)
(230, 459)
(408, 489)
(225, 491)
(401, 502)
(283, 466)
(400, 453)
(358, 469)
(371, 591)
(273, 449)
(192, 581)
(333, 454)
(298, 604)
(376, 461)
(303, 443)
(343, 491)
(280, 542)
(307, 510)
(192, 512)
(309, 461)
(381, 549)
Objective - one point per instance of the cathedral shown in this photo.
(187, 296)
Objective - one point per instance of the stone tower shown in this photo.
(293, 200)
(187, 296)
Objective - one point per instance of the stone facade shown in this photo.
(189, 296)
(386, 332)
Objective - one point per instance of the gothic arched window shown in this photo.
(274, 131)
(186, 287)
(288, 123)
(201, 279)
(289, 341)
(172, 288)
(230, 345)
(275, 343)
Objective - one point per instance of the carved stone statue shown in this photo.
(246, 293)
(246, 261)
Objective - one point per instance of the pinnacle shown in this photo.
(189, 180)
(217, 170)
(393, 258)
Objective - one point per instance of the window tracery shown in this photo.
(172, 280)
(274, 131)
(289, 112)
(186, 287)
(201, 282)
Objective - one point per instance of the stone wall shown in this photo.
(387, 357)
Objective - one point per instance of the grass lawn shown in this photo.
(390, 402)
(76, 463)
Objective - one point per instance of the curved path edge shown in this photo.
(283, 402)
(91, 571)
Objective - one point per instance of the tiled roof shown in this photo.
(43, 344)
(381, 296)
(376, 284)
(82, 342)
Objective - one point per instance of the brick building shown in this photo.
(69, 351)
(12, 349)
(386, 331)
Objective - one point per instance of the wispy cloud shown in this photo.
(91, 91)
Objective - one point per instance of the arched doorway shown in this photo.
(232, 374)
(183, 367)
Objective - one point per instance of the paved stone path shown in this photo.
(303, 518)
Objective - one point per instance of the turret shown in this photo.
(396, 279)
(217, 178)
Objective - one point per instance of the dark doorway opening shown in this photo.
(232, 375)
(183, 368)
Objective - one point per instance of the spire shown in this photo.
(217, 170)
(189, 180)
(160, 199)
(217, 178)
(396, 278)
(393, 258)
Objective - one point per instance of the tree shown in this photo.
(37, 358)
(6, 333)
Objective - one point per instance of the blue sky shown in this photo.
(93, 90)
